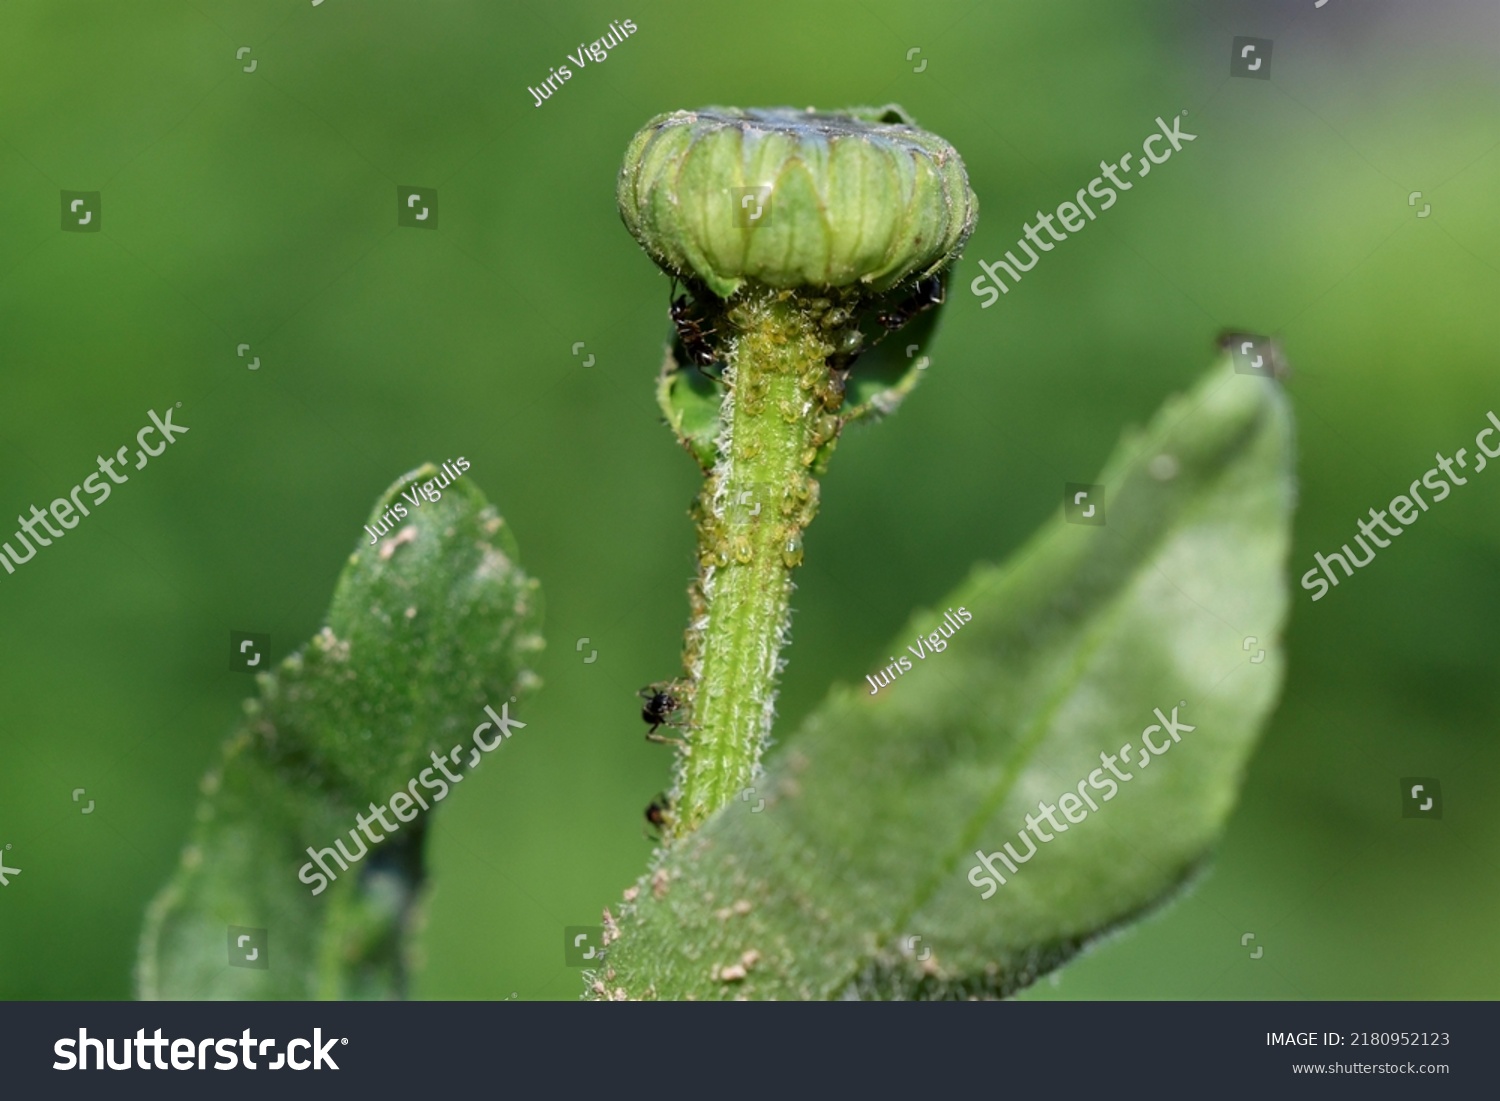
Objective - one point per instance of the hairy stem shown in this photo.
(779, 419)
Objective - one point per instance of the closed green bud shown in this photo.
(795, 199)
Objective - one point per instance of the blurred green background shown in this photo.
(259, 208)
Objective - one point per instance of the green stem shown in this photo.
(778, 416)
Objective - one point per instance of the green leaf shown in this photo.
(872, 816)
(888, 372)
(426, 628)
(691, 402)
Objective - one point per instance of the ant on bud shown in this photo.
(694, 334)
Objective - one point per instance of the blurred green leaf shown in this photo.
(851, 878)
(426, 628)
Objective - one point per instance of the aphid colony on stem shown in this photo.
(697, 319)
(697, 335)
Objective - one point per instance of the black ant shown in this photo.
(661, 705)
(925, 295)
(658, 813)
(693, 332)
